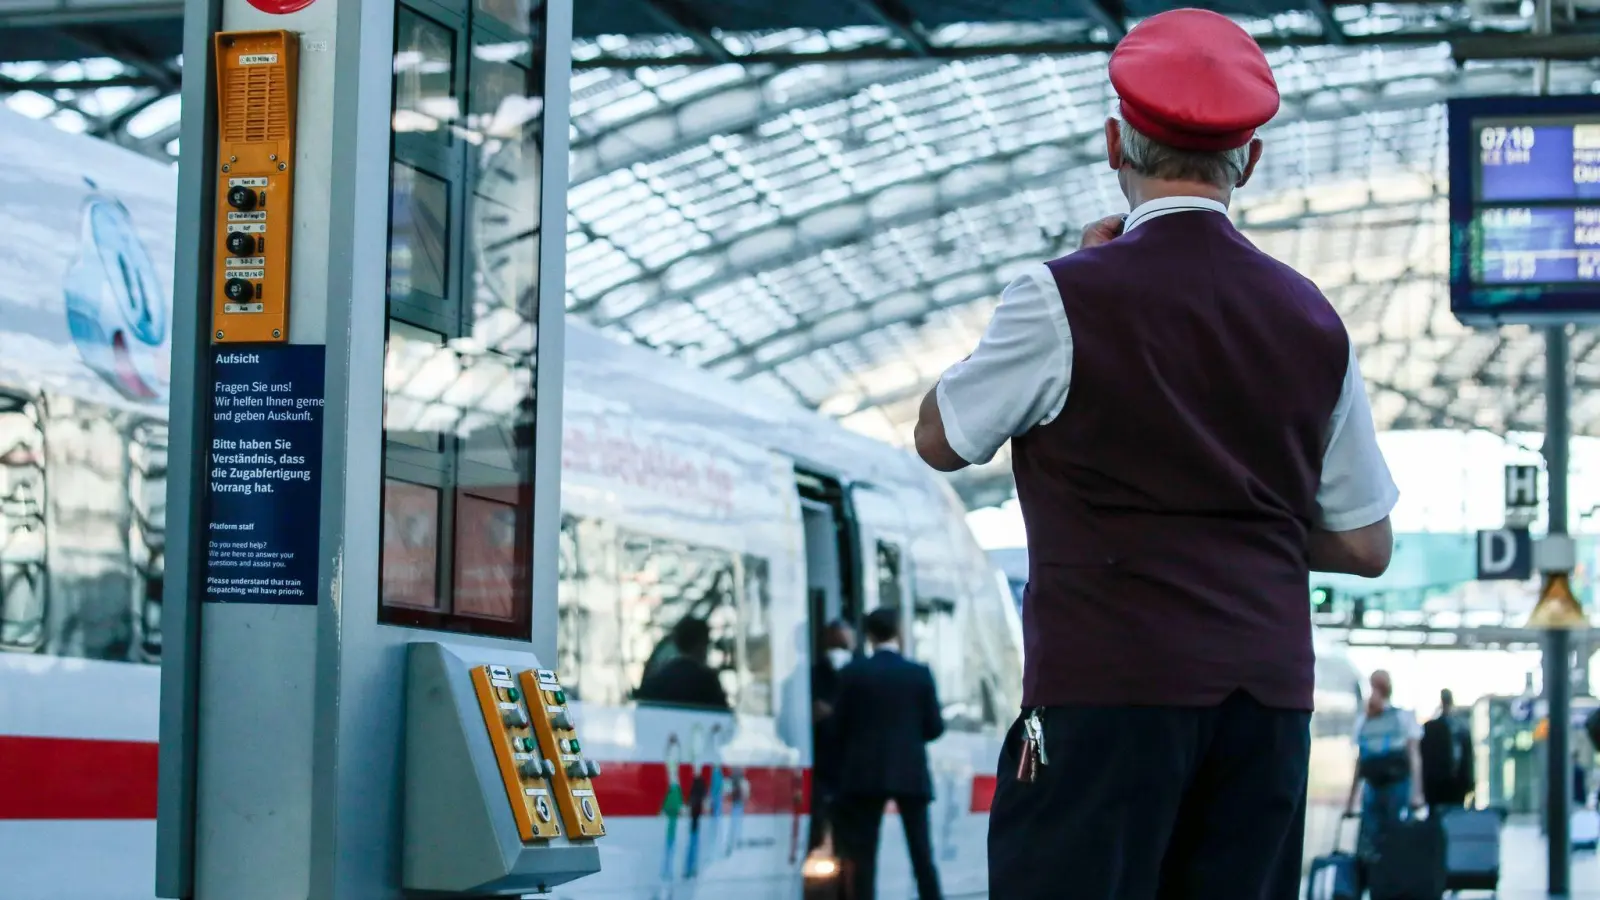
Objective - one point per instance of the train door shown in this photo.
(24, 583)
(832, 595)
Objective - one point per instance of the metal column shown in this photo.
(1558, 641)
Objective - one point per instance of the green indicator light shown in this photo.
(514, 694)
(575, 747)
(561, 698)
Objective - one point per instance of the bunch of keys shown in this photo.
(1033, 754)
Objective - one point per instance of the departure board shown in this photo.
(1525, 209)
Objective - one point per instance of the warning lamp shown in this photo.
(1322, 600)
(1557, 608)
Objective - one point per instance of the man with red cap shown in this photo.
(1190, 437)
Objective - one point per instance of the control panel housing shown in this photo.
(466, 781)
(256, 92)
(573, 778)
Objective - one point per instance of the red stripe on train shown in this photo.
(982, 793)
(70, 778)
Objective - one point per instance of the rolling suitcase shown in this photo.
(1472, 849)
(1585, 829)
(1335, 876)
(1409, 862)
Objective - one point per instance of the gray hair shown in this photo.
(1155, 160)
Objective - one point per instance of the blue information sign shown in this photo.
(264, 474)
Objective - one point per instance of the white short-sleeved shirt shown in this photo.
(1018, 378)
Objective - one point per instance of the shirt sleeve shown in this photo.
(1357, 489)
(1017, 378)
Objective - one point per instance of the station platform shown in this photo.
(1522, 866)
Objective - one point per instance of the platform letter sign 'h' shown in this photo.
(1522, 494)
(1505, 554)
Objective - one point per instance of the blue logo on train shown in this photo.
(116, 310)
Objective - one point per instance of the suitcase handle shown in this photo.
(1338, 831)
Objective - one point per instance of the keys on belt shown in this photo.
(1033, 754)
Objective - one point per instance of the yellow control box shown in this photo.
(256, 81)
(574, 775)
(516, 748)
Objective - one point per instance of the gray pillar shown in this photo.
(1558, 642)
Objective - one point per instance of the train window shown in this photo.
(24, 585)
(683, 625)
(943, 647)
(147, 503)
(889, 583)
(755, 651)
(461, 361)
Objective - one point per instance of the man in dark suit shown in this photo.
(886, 713)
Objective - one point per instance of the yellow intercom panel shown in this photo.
(574, 776)
(256, 78)
(516, 749)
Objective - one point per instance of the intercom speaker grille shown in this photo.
(258, 105)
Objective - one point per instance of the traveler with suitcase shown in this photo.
(1448, 774)
(1389, 766)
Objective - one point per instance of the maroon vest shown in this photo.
(1167, 506)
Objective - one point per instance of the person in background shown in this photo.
(687, 679)
(838, 644)
(888, 711)
(1389, 765)
(1447, 758)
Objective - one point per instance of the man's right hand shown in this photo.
(1102, 231)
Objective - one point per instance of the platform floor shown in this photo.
(1522, 867)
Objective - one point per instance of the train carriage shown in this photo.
(683, 496)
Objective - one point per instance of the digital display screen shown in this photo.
(1549, 244)
(1525, 209)
(1539, 162)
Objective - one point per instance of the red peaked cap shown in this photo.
(1193, 80)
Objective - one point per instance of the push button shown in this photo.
(592, 767)
(515, 718)
(560, 722)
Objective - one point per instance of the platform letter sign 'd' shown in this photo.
(1522, 487)
(1505, 554)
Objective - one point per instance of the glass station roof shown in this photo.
(837, 233)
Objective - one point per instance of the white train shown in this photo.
(683, 496)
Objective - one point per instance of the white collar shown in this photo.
(1161, 206)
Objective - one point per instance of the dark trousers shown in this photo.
(1154, 803)
(858, 822)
